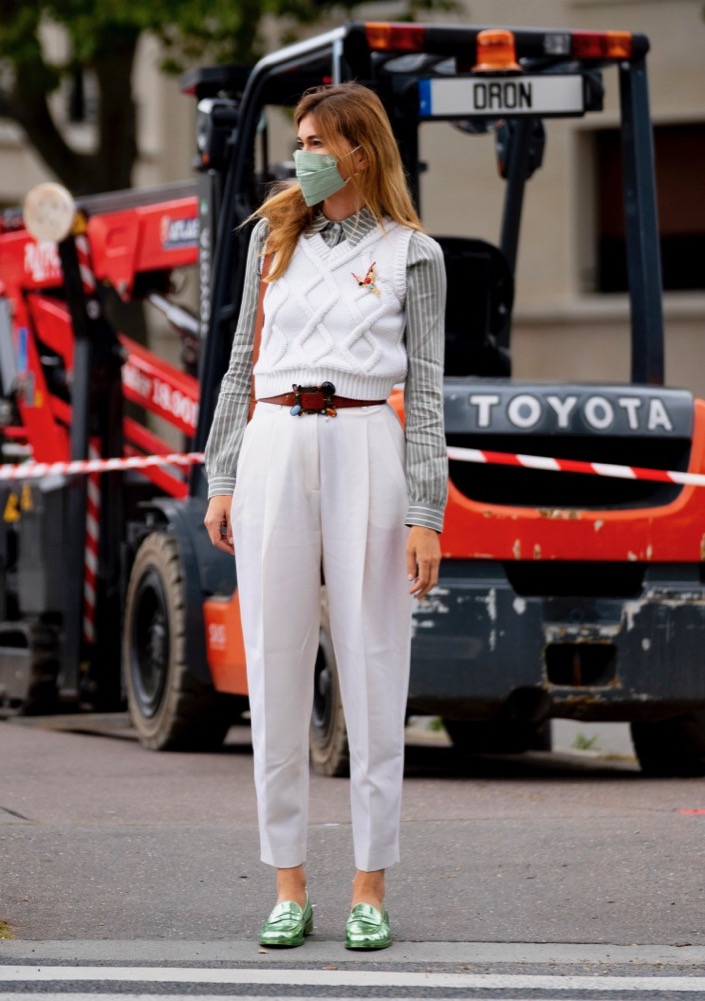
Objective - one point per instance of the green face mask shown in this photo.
(318, 175)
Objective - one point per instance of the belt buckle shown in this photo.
(326, 391)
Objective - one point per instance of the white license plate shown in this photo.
(503, 96)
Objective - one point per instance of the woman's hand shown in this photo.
(217, 521)
(423, 557)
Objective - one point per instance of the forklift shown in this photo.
(561, 595)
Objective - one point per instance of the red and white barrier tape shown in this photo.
(549, 464)
(36, 470)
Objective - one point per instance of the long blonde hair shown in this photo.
(350, 112)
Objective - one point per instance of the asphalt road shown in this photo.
(133, 876)
(100, 839)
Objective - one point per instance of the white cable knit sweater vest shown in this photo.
(321, 325)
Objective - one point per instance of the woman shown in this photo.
(327, 484)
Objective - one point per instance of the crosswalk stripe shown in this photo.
(347, 978)
(24, 996)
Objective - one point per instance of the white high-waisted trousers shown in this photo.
(312, 494)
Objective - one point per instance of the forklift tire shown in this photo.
(37, 645)
(328, 737)
(671, 748)
(43, 695)
(171, 710)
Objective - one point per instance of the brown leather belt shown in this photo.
(315, 401)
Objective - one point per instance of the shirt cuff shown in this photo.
(425, 517)
(218, 485)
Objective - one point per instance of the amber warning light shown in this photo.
(602, 44)
(496, 52)
(390, 37)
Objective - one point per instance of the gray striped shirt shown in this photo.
(426, 455)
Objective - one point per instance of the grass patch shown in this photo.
(584, 743)
(5, 929)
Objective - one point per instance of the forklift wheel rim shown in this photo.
(149, 643)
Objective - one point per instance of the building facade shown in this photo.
(571, 311)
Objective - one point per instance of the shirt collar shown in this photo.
(354, 228)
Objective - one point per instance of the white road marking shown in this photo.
(24, 996)
(346, 978)
(12, 996)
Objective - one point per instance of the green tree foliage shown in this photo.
(102, 38)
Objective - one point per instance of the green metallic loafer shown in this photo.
(367, 928)
(287, 925)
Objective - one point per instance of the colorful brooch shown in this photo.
(369, 280)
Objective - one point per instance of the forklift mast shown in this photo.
(403, 63)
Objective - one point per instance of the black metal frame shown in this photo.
(345, 54)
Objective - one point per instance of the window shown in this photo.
(680, 154)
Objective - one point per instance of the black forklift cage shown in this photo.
(345, 54)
